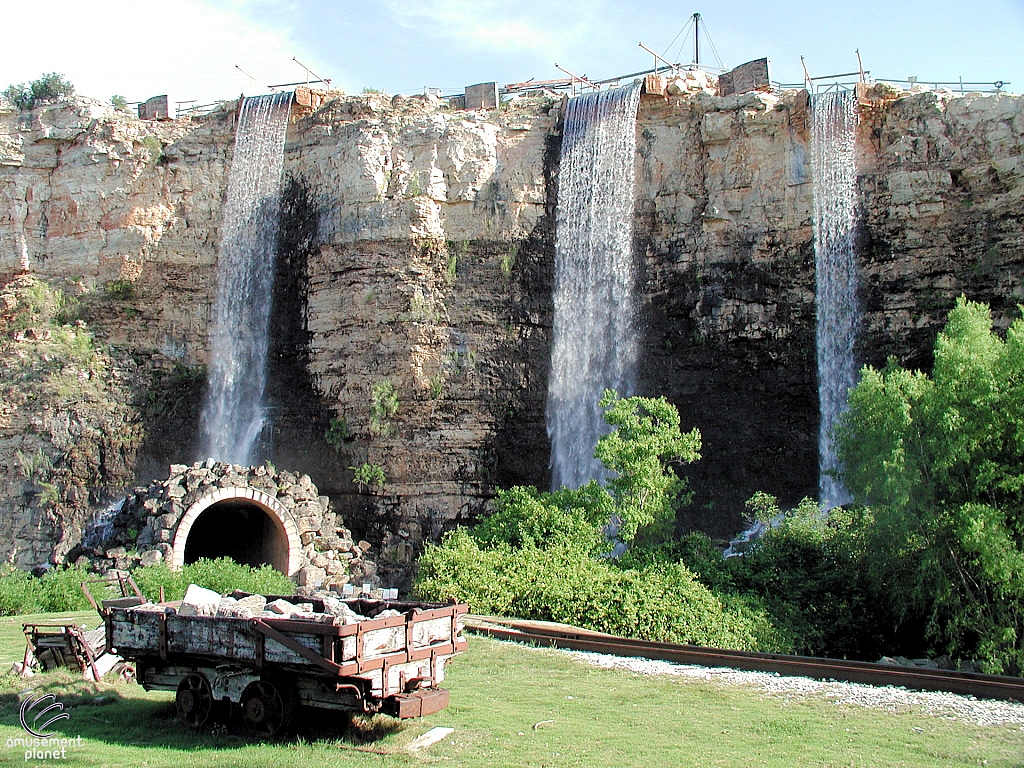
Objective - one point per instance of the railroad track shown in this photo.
(577, 639)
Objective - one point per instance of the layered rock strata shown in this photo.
(412, 309)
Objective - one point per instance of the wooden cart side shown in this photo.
(416, 643)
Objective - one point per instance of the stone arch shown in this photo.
(271, 507)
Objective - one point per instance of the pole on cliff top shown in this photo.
(696, 39)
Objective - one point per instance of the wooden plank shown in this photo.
(293, 645)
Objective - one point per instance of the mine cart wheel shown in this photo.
(194, 700)
(267, 707)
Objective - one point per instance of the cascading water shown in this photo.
(595, 338)
(234, 414)
(833, 138)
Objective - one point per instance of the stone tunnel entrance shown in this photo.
(241, 531)
(244, 524)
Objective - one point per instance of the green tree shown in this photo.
(48, 88)
(644, 443)
(641, 497)
(940, 461)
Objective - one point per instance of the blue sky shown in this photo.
(190, 48)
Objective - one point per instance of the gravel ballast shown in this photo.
(891, 698)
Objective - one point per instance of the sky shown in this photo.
(192, 49)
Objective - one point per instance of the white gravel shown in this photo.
(893, 699)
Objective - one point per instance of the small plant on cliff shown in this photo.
(436, 386)
(369, 475)
(122, 290)
(154, 148)
(337, 433)
(508, 260)
(383, 405)
(120, 103)
(48, 88)
(35, 465)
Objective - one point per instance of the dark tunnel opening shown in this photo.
(240, 530)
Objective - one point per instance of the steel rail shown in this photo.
(574, 638)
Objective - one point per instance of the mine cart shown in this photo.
(378, 656)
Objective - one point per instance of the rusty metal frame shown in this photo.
(74, 641)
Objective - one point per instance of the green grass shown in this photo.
(514, 706)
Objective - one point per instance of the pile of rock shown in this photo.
(199, 601)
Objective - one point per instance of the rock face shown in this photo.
(412, 308)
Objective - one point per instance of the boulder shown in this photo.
(199, 601)
(151, 557)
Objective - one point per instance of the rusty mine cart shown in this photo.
(270, 666)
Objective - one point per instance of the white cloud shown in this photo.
(185, 48)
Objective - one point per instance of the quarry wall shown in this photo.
(416, 258)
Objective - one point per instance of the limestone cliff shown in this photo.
(415, 261)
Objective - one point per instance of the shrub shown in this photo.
(48, 88)
(811, 573)
(644, 442)
(538, 557)
(122, 290)
(526, 517)
(60, 588)
(562, 583)
(371, 475)
(57, 590)
(221, 575)
(383, 405)
(336, 433)
(19, 592)
(154, 147)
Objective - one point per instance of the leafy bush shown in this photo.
(221, 575)
(56, 590)
(561, 583)
(122, 290)
(645, 440)
(940, 461)
(811, 573)
(640, 498)
(371, 475)
(526, 517)
(538, 557)
(337, 433)
(60, 589)
(19, 592)
(153, 146)
(48, 88)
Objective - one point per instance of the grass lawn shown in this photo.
(514, 706)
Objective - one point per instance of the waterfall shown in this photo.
(833, 137)
(595, 339)
(233, 413)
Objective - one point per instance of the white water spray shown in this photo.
(234, 414)
(595, 342)
(833, 138)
